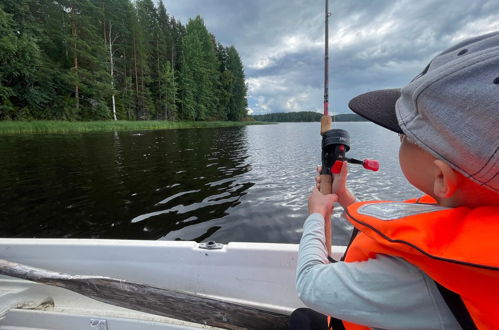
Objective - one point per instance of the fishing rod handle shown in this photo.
(326, 123)
(326, 184)
(326, 188)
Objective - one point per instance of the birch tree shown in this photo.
(111, 41)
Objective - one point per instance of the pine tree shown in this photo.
(187, 85)
(166, 47)
(176, 59)
(54, 79)
(102, 59)
(7, 55)
(141, 77)
(238, 100)
(168, 92)
(226, 83)
(149, 23)
(200, 69)
(19, 62)
(88, 56)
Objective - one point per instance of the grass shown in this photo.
(52, 126)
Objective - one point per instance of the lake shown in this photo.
(247, 184)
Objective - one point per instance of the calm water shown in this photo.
(229, 184)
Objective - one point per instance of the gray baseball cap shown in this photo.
(451, 109)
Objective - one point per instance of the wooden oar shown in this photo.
(144, 298)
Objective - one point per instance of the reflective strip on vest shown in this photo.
(397, 210)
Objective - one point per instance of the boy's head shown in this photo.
(450, 114)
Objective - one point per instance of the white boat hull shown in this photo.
(254, 274)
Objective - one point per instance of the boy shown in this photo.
(430, 263)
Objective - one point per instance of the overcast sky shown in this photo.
(374, 44)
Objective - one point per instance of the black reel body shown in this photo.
(335, 144)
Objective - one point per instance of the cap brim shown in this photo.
(378, 107)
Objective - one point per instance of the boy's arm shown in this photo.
(385, 292)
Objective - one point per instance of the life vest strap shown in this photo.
(334, 323)
(355, 231)
(331, 260)
(457, 307)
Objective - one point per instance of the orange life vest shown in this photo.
(457, 247)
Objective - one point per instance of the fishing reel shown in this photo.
(335, 144)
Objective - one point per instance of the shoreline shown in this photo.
(54, 126)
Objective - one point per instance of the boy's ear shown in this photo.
(445, 179)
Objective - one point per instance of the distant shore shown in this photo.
(52, 126)
(305, 116)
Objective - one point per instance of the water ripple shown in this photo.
(229, 184)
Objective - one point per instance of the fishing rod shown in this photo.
(335, 142)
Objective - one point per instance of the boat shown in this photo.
(131, 284)
(256, 276)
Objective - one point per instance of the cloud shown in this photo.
(373, 44)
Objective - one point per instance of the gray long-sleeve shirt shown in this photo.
(385, 292)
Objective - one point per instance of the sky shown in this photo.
(374, 44)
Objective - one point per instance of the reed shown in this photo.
(52, 126)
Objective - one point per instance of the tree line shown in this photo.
(304, 116)
(113, 59)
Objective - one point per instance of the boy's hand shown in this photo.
(345, 197)
(319, 203)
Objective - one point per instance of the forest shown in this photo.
(304, 116)
(84, 60)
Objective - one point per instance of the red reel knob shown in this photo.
(371, 164)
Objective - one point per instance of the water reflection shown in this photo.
(230, 184)
(149, 185)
